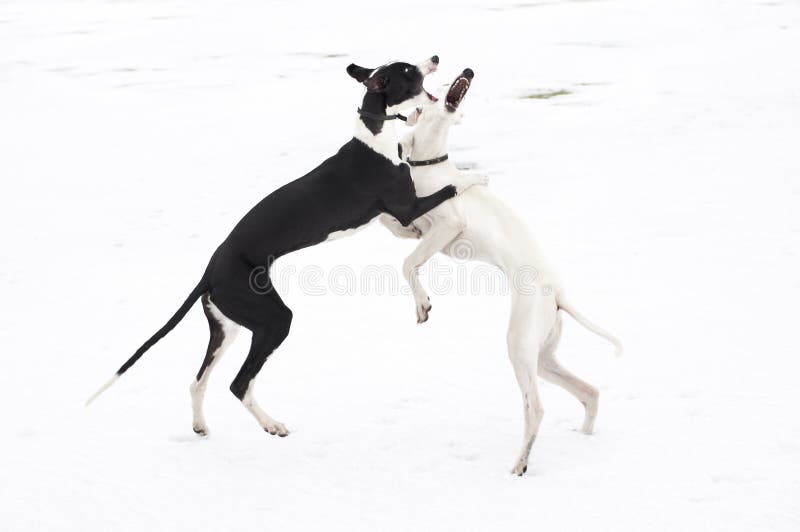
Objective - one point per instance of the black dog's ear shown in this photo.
(360, 74)
(376, 84)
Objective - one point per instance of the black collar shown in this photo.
(374, 116)
(428, 162)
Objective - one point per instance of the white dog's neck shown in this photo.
(385, 140)
(430, 140)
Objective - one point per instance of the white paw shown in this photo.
(473, 180)
(409, 232)
(423, 308)
(520, 468)
(276, 429)
(200, 429)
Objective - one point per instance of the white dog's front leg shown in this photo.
(441, 234)
(464, 181)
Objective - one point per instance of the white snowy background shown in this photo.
(661, 176)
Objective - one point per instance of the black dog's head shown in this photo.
(398, 84)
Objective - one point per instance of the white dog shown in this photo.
(491, 232)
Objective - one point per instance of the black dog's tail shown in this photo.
(201, 288)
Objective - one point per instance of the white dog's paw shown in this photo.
(399, 230)
(423, 308)
(200, 429)
(276, 429)
(471, 180)
(520, 468)
(409, 231)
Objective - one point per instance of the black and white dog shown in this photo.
(364, 179)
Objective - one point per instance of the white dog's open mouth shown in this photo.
(458, 90)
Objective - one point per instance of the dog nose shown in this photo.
(435, 59)
(468, 73)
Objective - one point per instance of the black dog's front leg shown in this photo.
(407, 207)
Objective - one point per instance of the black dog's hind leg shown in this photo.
(223, 332)
(277, 319)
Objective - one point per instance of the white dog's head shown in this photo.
(447, 107)
(433, 121)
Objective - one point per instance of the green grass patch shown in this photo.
(545, 95)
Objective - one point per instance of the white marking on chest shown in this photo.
(384, 142)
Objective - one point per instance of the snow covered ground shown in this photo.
(661, 176)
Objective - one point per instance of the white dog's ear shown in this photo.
(406, 145)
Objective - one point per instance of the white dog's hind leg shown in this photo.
(223, 332)
(524, 345)
(442, 233)
(524, 360)
(551, 370)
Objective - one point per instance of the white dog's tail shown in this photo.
(569, 309)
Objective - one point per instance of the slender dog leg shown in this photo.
(531, 319)
(524, 360)
(441, 234)
(266, 339)
(223, 332)
(552, 371)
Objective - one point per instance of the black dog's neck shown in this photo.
(373, 103)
